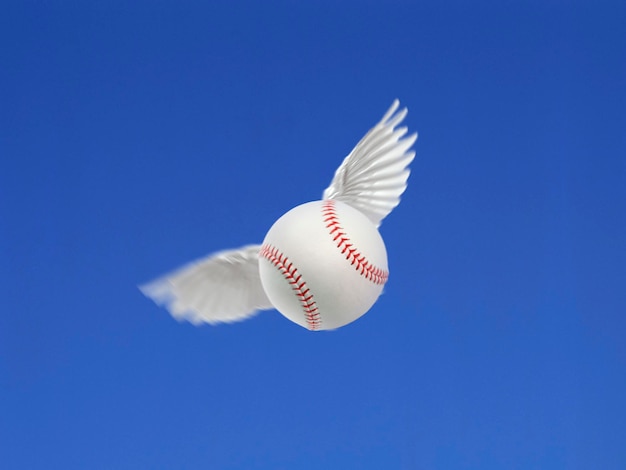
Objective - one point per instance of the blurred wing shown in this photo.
(373, 177)
(221, 288)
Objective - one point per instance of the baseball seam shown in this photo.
(368, 270)
(298, 285)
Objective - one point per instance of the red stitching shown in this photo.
(365, 268)
(298, 285)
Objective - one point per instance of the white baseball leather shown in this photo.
(323, 264)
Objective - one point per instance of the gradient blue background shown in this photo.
(137, 136)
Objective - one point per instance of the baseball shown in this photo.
(323, 264)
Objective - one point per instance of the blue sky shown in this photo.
(135, 137)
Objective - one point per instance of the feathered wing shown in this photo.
(223, 287)
(373, 176)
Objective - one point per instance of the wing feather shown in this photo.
(223, 287)
(374, 175)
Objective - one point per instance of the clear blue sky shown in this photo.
(137, 136)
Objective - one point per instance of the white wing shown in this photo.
(221, 288)
(373, 177)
